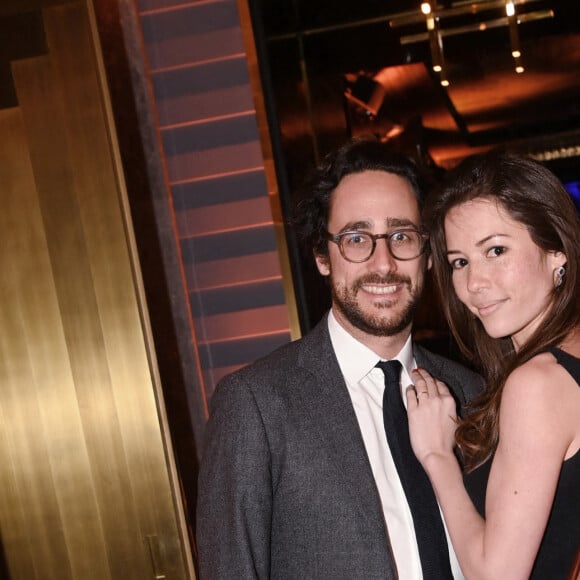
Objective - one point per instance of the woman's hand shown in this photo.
(432, 416)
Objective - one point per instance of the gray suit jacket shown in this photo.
(286, 488)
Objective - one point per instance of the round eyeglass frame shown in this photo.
(338, 238)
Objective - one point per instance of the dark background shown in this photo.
(313, 52)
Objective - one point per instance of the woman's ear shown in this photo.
(557, 259)
(558, 265)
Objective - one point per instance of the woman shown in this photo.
(505, 238)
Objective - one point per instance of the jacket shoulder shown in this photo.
(287, 364)
(464, 382)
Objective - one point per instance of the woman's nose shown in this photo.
(477, 280)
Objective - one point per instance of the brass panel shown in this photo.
(38, 418)
(85, 479)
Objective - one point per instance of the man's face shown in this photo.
(377, 297)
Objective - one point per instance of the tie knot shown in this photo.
(391, 370)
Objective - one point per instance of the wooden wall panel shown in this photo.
(213, 147)
(218, 189)
(236, 270)
(231, 216)
(231, 239)
(203, 90)
(186, 33)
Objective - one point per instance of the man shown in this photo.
(297, 479)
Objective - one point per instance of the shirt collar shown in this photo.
(355, 359)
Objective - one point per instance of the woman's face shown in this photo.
(498, 272)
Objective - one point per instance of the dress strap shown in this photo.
(568, 361)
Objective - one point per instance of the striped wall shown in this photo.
(220, 194)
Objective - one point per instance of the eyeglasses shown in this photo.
(360, 246)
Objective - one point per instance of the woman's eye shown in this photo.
(458, 263)
(496, 251)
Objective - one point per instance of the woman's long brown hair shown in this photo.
(533, 196)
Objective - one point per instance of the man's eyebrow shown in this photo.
(355, 226)
(401, 223)
(367, 225)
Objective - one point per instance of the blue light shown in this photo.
(573, 189)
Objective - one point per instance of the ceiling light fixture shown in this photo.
(510, 11)
(433, 15)
(435, 43)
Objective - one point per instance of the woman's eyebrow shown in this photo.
(481, 242)
(487, 238)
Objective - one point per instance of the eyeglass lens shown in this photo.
(359, 246)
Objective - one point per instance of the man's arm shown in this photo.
(235, 493)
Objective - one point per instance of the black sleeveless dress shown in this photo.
(561, 539)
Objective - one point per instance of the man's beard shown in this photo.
(345, 300)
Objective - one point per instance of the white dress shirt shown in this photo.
(366, 385)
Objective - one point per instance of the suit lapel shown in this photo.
(429, 363)
(464, 384)
(338, 426)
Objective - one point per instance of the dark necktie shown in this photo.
(429, 529)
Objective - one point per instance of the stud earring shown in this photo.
(559, 276)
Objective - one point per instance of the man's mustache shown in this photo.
(378, 279)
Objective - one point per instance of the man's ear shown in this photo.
(322, 263)
(429, 262)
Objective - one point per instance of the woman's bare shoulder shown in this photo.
(536, 373)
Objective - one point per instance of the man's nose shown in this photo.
(382, 256)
